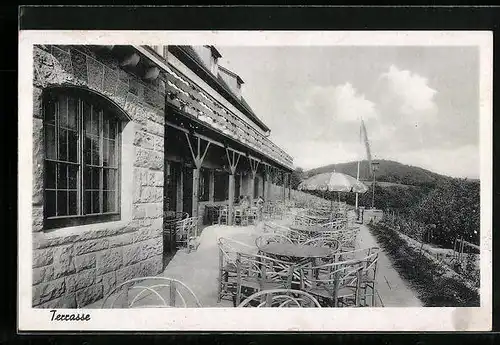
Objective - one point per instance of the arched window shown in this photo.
(82, 159)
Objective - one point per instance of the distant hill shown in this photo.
(388, 171)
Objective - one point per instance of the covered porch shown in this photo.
(205, 171)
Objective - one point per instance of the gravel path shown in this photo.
(393, 290)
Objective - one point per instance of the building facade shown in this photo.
(125, 138)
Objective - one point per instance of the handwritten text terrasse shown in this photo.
(69, 317)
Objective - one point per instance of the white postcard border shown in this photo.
(233, 319)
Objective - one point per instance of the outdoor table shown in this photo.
(301, 254)
(295, 251)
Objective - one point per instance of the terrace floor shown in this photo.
(199, 269)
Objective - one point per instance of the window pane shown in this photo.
(72, 177)
(95, 154)
(87, 150)
(73, 205)
(87, 178)
(63, 111)
(50, 112)
(50, 175)
(87, 117)
(50, 142)
(87, 203)
(63, 145)
(108, 201)
(95, 202)
(105, 152)
(96, 178)
(62, 203)
(72, 113)
(92, 178)
(112, 129)
(109, 179)
(95, 122)
(62, 176)
(72, 146)
(112, 154)
(50, 203)
(106, 128)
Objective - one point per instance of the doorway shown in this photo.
(172, 182)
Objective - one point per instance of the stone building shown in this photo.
(126, 137)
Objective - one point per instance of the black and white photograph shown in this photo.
(233, 174)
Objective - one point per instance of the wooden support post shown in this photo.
(180, 191)
(254, 165)
(196, 182)
(283, 178)
(233, 158)
(230, 202)
(211, 181)
(198, 158)
(289, 187)
(268, 186)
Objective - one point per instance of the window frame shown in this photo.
(218, 177)
(114, 112)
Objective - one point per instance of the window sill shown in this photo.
(83, 229)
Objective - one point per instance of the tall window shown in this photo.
(204, 187)
(221, 186)
(82, 145)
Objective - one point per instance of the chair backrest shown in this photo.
(280, 298)
(151, 292)
(331, 276)
(188, 227)
(229, 248)
(336, 224)
(329, 242)
(264, 269)
(367, 256)
(271, 237)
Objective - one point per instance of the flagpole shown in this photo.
(357, 174)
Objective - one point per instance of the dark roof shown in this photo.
(196, 64)
(215, 52)
(238, 78)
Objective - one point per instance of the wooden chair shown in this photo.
(346, 238)
(334, 284)
(253, 215)
(369, 260)
(280, 298)
(223, 216)
(187, 233)
(294, 235)
(258, 272)
(228, 250)
(151, 292)
(240, 216)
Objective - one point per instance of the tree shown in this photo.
(453, 206)
(297, 177)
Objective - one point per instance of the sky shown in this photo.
(420, 105)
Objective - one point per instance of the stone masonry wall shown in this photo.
(80, 267)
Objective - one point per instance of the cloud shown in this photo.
(312, 154)
(337, 103)
(411, 91)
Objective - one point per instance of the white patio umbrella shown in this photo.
(333, 182)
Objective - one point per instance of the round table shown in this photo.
(295, 250)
